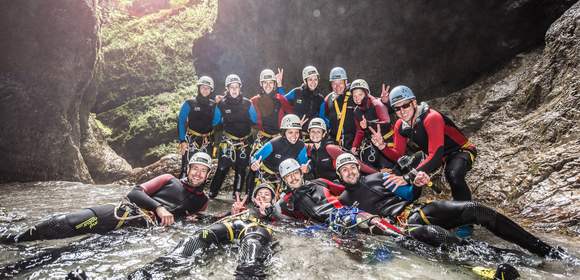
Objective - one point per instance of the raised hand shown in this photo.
(303, 120)
(256, 164)
(280, 76)
(377, 137)
(239, 205)
(305, 167)
(363, 123)
(385, 93)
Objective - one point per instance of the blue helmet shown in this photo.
(400, 93)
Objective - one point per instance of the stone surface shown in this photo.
(435, 47)
(105, 166)
(524, 120)
(49, 50)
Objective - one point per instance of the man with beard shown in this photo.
(158, 201)
(428, 223)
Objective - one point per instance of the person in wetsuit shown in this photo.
(196, 122)
(369, 111)
(270, 105)
(322, 153)
(317, 200)
(428, 223)
(158, 201)
(245, 227)
(307, 100)
(339, 109)
(266, 160)
(437, 136)
(236, 114)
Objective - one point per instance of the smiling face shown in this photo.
(338, 86)
(268, 86)
(405, 110)
(197, 174)
(294, 179)
(316, 135)
(234, 89)
(358, 94)
(264, 195)
(312, 82)
(292, 135)
(349, 173)
(204, 90)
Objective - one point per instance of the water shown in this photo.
(300, 254)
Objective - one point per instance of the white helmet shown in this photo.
(309, 71)
(288, 166)
(233, 78)
(201, 158)
(344, 159)
(206, 81)
(317, 123)
(267, 75)
(360, 83)
(337, 73)
(290, 121)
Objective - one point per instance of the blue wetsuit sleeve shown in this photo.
(282, 90)
(302, 156)
(217, 116)
(182, 121)
(322, 114)
(263, 152)
(406, 192)
(291, 95)
(253, 114)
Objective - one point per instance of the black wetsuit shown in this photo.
(305, 103)
(321, 160)
(235, 145)
(196, 114)
(334, 104)
(175, 195)
(430, 223)
(254, 237)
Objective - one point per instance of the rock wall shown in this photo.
(434, 46)
(50, 51)
(524, 120)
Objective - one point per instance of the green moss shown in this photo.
(107, 132)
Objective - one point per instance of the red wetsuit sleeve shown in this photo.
(152, 186)
(399, 146)
(381, 111)
(334, 188)
(435, 128)
(332, 199)
(286, 106)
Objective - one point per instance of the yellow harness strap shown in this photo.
(341, 117)
(122, 220)
(265, 134)
(388, 134)
(424, 217)
(236, 138)
(268, 170)
(230, 230)
(197, 134)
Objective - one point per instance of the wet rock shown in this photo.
(524, 120)
(50, 50)
(433, 46)
(104, 164)
(170, 164)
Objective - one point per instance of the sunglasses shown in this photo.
(404, 106)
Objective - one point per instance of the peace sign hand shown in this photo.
(303, 120)
(377, 137)
(280, 76)
(239, 205)
(385, 93)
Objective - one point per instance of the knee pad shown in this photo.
(190, 246)
(481, 214)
